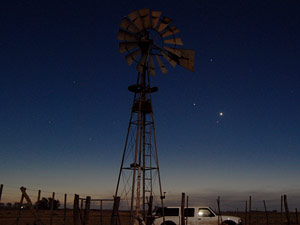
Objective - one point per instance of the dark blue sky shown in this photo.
(65, 105)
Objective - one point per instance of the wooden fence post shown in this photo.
(1, 189)
(187, 210)
(39, 195)
(76, 210)
(249, 210)
(38, 199)
(266, 212)
(37, 219)
(20, 209)
(65, 209)
(286, 210)
(246, 212)
(81, 207)
(281, 210)
(51, 208)
(87, 210)
(182, 208)
(296, 211)
(220, 221)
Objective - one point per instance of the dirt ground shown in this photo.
(10, 217)
(260, 218)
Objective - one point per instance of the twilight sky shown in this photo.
(65, 105)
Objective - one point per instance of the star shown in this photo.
(221, 113)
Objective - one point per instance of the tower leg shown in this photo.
(139, 164)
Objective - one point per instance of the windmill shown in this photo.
(145, 36)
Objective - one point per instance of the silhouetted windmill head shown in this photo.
(146, 35)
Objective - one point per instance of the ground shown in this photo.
(9, 217)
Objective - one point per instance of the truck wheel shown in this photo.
(168, 223)
(228, 222)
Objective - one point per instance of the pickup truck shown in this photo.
(200, 215)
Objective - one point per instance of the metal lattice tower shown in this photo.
(143, 35)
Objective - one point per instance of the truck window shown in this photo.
(189, 212)
(202, 212)
(168, 212)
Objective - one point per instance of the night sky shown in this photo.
(65, 105)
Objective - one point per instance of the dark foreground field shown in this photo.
(260, 218)
(10, 217)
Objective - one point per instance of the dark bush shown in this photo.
(45, 203)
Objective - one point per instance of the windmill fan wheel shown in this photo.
(147, 35)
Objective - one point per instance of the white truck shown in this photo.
(200, 215)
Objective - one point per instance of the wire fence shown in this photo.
(251, 209)
(11, 195)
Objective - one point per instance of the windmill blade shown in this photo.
(127, 25)
(125, 36)
(131, 57)
(145, 15)
(142, 63)
(174, 51)
(170, 31)
(126, 46)
(174, 41)
(165, 21)
(136, 19)
(141, 45)
(155, 18)
(161, 65)
(151, 67)
(187, 59)
(171, 61)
